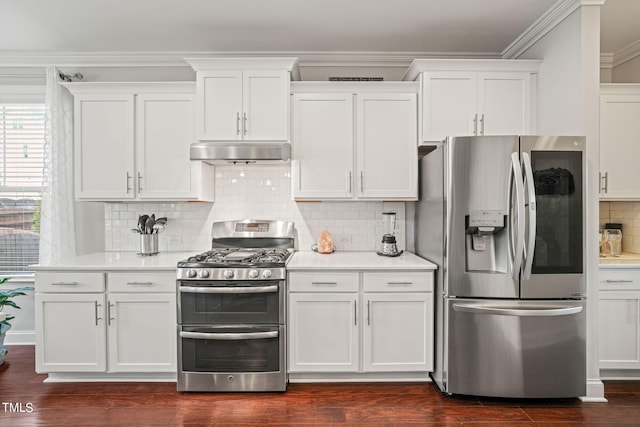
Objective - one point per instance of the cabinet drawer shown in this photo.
(323, 282)
(619, 279)
(69, 282)
(419, 281)
(129, 281)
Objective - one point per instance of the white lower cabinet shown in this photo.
(120, 322)
(360, 322)
(619, 323)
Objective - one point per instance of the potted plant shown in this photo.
(6, 300)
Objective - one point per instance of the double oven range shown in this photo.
(231, 309)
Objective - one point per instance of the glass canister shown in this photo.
(614, 238)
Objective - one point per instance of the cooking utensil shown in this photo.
(142, 220)
(150, 223)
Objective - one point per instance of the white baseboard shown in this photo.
(595, 392)
(20, 338)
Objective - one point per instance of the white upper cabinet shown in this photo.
(132, 143)
(243, 99)
(251, 105)
(619, 141)
(476, 97)
(354, 142)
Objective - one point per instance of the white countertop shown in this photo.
(119, 261)
(625, 260)
(308, 260)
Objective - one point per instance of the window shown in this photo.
(21, 174)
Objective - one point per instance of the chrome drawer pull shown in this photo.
(325, 283)
(64, 283)
(400, 283)
(140, 283)
(619, 281)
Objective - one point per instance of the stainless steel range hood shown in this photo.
(240, 152)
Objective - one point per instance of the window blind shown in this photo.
(21, 174)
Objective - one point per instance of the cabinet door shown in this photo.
(104, 146)
(219, 105)
(322, 146)
(323, 332)
(448, 105)
(398, 332)
(165, 129)
(142, 332)
(504, 103)
(265, 102)
(619, 327)
(70, 333)
(387, 157)
(619, 147)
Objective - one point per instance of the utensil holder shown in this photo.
(148, 244)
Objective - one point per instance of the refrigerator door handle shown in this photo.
(523, 311)
(532, 216)
(518, 247)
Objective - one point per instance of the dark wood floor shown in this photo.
(26, 400)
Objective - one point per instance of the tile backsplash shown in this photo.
(254, 192)
(628, 214)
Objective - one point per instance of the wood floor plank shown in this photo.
(309, 405)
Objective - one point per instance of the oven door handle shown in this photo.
(229, 336)
(229, 289)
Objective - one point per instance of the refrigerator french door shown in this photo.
(510, 213)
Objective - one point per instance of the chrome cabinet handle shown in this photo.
(604, 183)
(128, 182)
(96, 311)
(475, 124)
(238, 123)
(139, 182)
(355, 313)
(229, 336)
(482, 124)
(361, 182)
(244, 123)
(139, 283)
(369, 313)
(619, 281)
(65, 284)
(325, 283)
(400, 283)
(109, 318)
(350, 182)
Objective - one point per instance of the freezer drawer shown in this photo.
(516, 348)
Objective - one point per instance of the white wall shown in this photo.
(568, 103)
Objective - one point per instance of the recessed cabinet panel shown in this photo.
(503, 103)
(70, 333)
(265, 101)
(165, 131)
(322, 146)
(386, 146)
(619, 147)
(619, 329)
(220, 105)
(104, 146)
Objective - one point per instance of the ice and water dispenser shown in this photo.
(486, 241)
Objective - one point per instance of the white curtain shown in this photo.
(57, 225)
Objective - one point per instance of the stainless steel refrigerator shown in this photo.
(503, 217)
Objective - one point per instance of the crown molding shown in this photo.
(548, 21)
(626, 54)
(606, 60)
(177, 59)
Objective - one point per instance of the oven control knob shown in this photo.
(228, 274)
(266, 274)
(253, 274)
(204, 274)
(191, 274)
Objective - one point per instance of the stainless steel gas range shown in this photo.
(231, 309)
